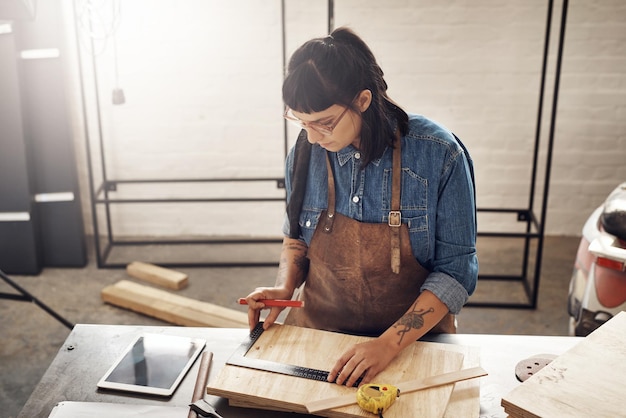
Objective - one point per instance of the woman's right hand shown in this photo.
(292, 270)
(255, 307)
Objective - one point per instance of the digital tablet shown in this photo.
(154, 364)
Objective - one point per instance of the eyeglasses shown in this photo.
(322, 128)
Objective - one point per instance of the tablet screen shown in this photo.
(153, 364)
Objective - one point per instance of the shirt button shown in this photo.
(308, 223)
(355, 199)
(357, 155)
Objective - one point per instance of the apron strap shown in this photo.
(395, 218)
(330, 212)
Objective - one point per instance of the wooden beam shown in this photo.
(172, 308)
(160, 276)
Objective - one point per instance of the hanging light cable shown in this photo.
(118, 93)
(98, 21)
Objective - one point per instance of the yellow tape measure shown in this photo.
(376, 398)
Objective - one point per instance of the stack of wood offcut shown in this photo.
(165, 305)
(586, 381)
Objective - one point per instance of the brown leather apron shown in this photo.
(355, 284)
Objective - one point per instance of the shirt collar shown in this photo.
(344, 155)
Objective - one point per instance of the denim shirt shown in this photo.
(437, 202)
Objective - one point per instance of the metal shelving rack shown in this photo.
(535, 223)
(100, 195)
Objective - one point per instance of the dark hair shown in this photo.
(333, 70)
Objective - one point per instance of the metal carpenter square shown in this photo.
(238, 358)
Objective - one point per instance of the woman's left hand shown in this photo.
(363, 360)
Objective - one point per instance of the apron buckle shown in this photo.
(395, 218)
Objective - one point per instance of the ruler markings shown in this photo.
(238, 358)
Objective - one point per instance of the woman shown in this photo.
(381, 220)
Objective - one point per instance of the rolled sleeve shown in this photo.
(448, 290)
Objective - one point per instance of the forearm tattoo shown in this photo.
(411, 320)
(297, 251)
(296, 245)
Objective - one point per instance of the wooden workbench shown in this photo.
(90, 350)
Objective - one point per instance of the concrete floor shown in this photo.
(31, 338)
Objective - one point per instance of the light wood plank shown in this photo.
(585, 381)
(464, 401)
(172, 308)
(320, 349)
(404, 387)
(158, 275)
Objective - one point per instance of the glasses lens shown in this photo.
(322, 129)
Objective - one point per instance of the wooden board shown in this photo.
(319, 350)
(160, 276)
(586, 381)
(172, 308)
(464, 401)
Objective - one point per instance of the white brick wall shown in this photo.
(202, 82)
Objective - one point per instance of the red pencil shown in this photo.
(277, 302)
